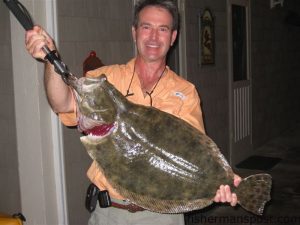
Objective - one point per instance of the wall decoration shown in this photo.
(273, 3)
(207, 38)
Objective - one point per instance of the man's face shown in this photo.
(154, 34)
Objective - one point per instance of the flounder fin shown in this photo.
(253, 192)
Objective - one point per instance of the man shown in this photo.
(145, 80)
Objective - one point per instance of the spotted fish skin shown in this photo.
(155, 159)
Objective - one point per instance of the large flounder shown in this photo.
(153, 158)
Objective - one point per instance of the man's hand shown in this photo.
(58, 93)
(35, 39)
(224, 193)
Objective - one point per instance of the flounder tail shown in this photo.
(254, 191)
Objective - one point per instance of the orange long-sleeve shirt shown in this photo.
(172, 94)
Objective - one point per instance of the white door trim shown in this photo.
(244, 147)
(182, 40)
(57, 136)
(39, 139)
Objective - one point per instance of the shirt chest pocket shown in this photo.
(171, 104)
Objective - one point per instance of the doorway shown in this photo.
(240, 106)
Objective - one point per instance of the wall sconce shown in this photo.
(276, 2)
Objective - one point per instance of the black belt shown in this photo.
(94, 194)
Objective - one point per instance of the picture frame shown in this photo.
(207, 38)
(274, 3)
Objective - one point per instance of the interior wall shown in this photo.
(210, 80)
(275, 69)
(103, 26)
(9, 175)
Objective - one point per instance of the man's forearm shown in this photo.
(58, 93)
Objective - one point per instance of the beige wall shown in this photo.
(9, 176)
(210, 80)
(100, 25)
(103, 26)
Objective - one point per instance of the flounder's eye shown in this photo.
(95, 116)
(91, 102)
(103, 77)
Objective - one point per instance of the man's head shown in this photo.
(154, 29)
(169, 5)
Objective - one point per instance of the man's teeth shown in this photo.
(153, 46)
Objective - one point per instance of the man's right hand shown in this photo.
(35, 39)
(58, 93)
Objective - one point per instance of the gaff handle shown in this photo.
(24, 18)
(20, 13)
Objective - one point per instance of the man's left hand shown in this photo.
(224, 193)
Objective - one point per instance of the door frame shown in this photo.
(245, 148)
(39, 135)
(182, 40)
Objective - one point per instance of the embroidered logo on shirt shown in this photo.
(180, 95)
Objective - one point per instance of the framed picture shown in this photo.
(207, 38)
(273, 3)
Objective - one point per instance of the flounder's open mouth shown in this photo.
(100, 131)
(95, 128)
